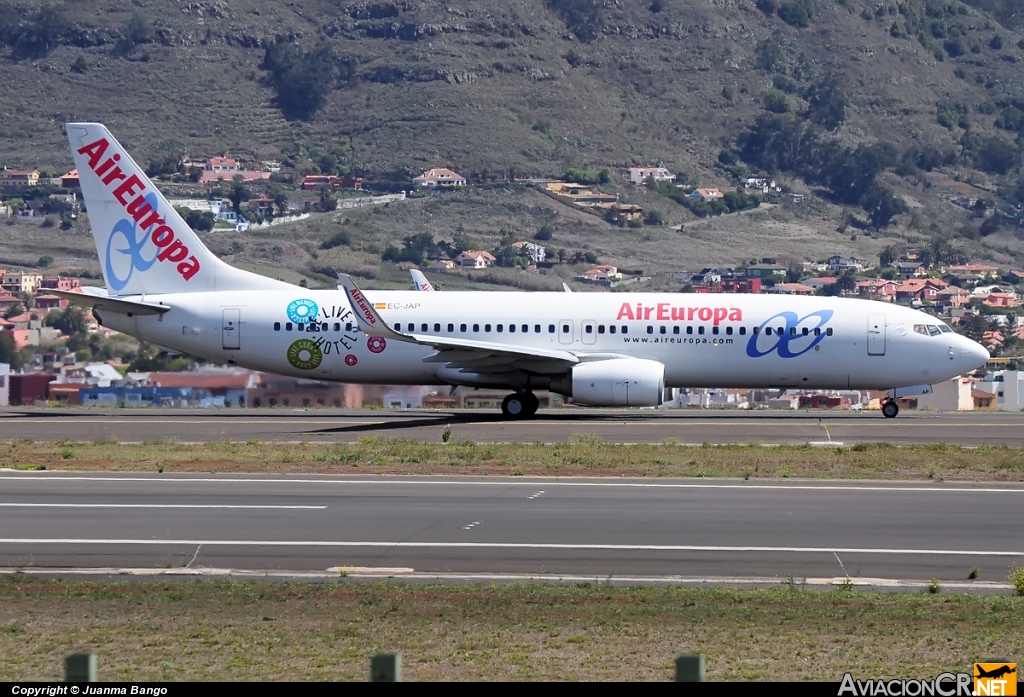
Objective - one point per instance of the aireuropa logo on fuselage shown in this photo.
(784, 334)
(143, 217)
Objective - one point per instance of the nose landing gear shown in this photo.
(519, 405)
(890, 408)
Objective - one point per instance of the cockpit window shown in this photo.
(933, 330)
(945, 329)
(921, 329)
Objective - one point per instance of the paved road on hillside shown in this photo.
(618, 426)
(604, 528)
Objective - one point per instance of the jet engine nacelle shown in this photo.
(616, 382)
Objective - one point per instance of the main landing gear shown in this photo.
(890, 408)
(519, 405)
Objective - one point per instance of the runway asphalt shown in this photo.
(617, 426)
(443, 527)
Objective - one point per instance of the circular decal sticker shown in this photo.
(901, 329)
(376, 344)
(350, 359)
(301, 311)
(305, 354)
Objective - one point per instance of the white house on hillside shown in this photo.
(536, 253)
(439, 176)
(475, 259)
(638, 175)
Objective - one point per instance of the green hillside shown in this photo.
(880, 112)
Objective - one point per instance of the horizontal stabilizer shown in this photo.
(108, 304)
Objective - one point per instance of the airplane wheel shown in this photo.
(890, 410)
(531, 403)
(514, 406)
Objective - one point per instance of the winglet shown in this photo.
(370, 323)
(566, 287)
(419, 281)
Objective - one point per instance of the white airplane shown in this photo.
(602, 349)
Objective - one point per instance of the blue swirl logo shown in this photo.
(128, 231)
(302, 310)
(788, 339)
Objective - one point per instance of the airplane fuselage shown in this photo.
(703, 340)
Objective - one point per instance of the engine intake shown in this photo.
(617, 382)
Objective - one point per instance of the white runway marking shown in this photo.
(739, 486)
(154, 505)
(512, 545)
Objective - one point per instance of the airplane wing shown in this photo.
(96, 299)
(480, 355)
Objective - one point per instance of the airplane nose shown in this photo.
(972, 356)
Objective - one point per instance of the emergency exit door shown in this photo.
(230, 328)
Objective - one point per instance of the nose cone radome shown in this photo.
(972, 355)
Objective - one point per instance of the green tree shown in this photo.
(239, 192)
(889, 255)
(303, 79)
(71, 320)
(775, 102)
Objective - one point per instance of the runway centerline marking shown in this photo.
(745, 486)
(514, 545)
(156, 505)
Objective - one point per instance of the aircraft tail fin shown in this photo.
(143, 244)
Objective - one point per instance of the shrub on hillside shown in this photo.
(303, 79)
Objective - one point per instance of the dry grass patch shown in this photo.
(258, 631)
(580, 456)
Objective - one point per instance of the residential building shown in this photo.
(1000, 300)
(475, 259)
(21, 281)
(819, 282)
(261, 206)
(50, 302)
(765, 185)
(979, 269)
(953, 296)
(70, 180)
(711, 194)
(638, 175)
(768, 272)
(708, 276)
(910, 269)
(792, 289)
(731, 285)
(1007, 386)
(18, 180)
(602, 273)
(840, 264)
(437, 177)
(536, 253)
(919, 290)
(877, 289)
(223, 165)
(445, 265)
(578, 194)
(316, 181)
(60, 283)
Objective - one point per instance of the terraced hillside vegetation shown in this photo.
(879, 112)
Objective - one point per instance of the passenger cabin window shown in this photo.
(625, 329)
(348, 326)
(536, 328)
(728, 330)
(451, 327)
(689, 330)
(700, 330)
(650, 329)
(288, 326)
(525, 328)
(501, 327)
(828, 331)
(462, 327)
(675, 329)
(663, 330)
(487, 327)
(600, 329)
(277, 326)
(589, 329)
(611, 329)
(423, 327)
(805, 331)
(565, 328)
(551, 329)
(743, 331)
(437, 326)
(476, 327)
(511, 328)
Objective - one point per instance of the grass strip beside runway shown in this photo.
(581, 455)
(219, 630)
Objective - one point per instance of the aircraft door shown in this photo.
(876, 335)
(565, 331)
(588, 331)
(230, 328)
